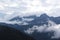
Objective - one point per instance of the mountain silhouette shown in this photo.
(16, 19)
(9, 33)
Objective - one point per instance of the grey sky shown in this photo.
(29, 7)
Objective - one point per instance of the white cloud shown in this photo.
(28, 19)
(29, 7)
(46, 28)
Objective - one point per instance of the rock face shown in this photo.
(7, 33)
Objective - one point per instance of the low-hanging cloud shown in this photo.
(46, 28)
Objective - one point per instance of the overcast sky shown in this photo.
(9, 8)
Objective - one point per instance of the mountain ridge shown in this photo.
(38, 21)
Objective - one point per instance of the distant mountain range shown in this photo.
(42, 19)
(32, 20)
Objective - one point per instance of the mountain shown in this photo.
(40, 20)
(44, 16)
(43, 19)
(31, 20)
(55, 19)
(10, 33)
(16, 32)
(16, 19)
(34, 20)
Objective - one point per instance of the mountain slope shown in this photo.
(9, 33)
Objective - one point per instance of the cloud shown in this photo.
(46, 28)
(30, 7)
(28, 19)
